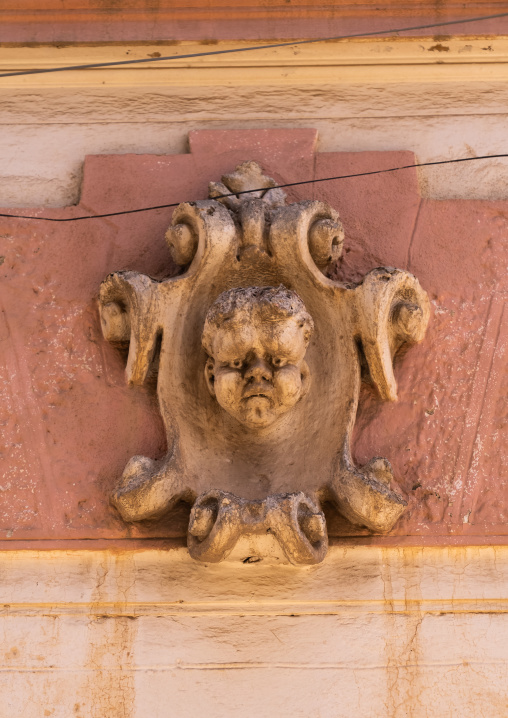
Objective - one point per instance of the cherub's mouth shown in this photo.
(257, 392)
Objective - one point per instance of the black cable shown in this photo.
(393, 31)
(260, 189)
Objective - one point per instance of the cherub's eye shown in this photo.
(236, 363)
(278, 361)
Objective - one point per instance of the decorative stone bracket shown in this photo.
(218, 519)
(260, 357)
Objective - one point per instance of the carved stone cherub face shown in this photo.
(256, 339)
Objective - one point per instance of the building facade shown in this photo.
(102, 617)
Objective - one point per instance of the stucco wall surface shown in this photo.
(388, 633)
(71, 423)
(127, 631)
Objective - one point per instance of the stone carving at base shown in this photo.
(260, 356)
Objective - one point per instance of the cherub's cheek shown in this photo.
(228, 388)
(288, 384)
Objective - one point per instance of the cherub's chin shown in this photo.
(258, 413)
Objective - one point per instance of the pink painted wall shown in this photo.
(166, 20)
(70, 423)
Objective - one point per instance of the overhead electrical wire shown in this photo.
(392, 31)
(260, 189)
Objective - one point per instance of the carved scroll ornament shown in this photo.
(260, 357)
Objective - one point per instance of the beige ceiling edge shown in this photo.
(329, 63)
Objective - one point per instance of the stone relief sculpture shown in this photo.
(260, 358)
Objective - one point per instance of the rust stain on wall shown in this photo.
(111, 641)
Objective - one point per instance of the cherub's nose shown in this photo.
(258, 370)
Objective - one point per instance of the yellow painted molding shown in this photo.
(322, 63)
(350, 582)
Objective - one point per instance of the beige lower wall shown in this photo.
(373, 633)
